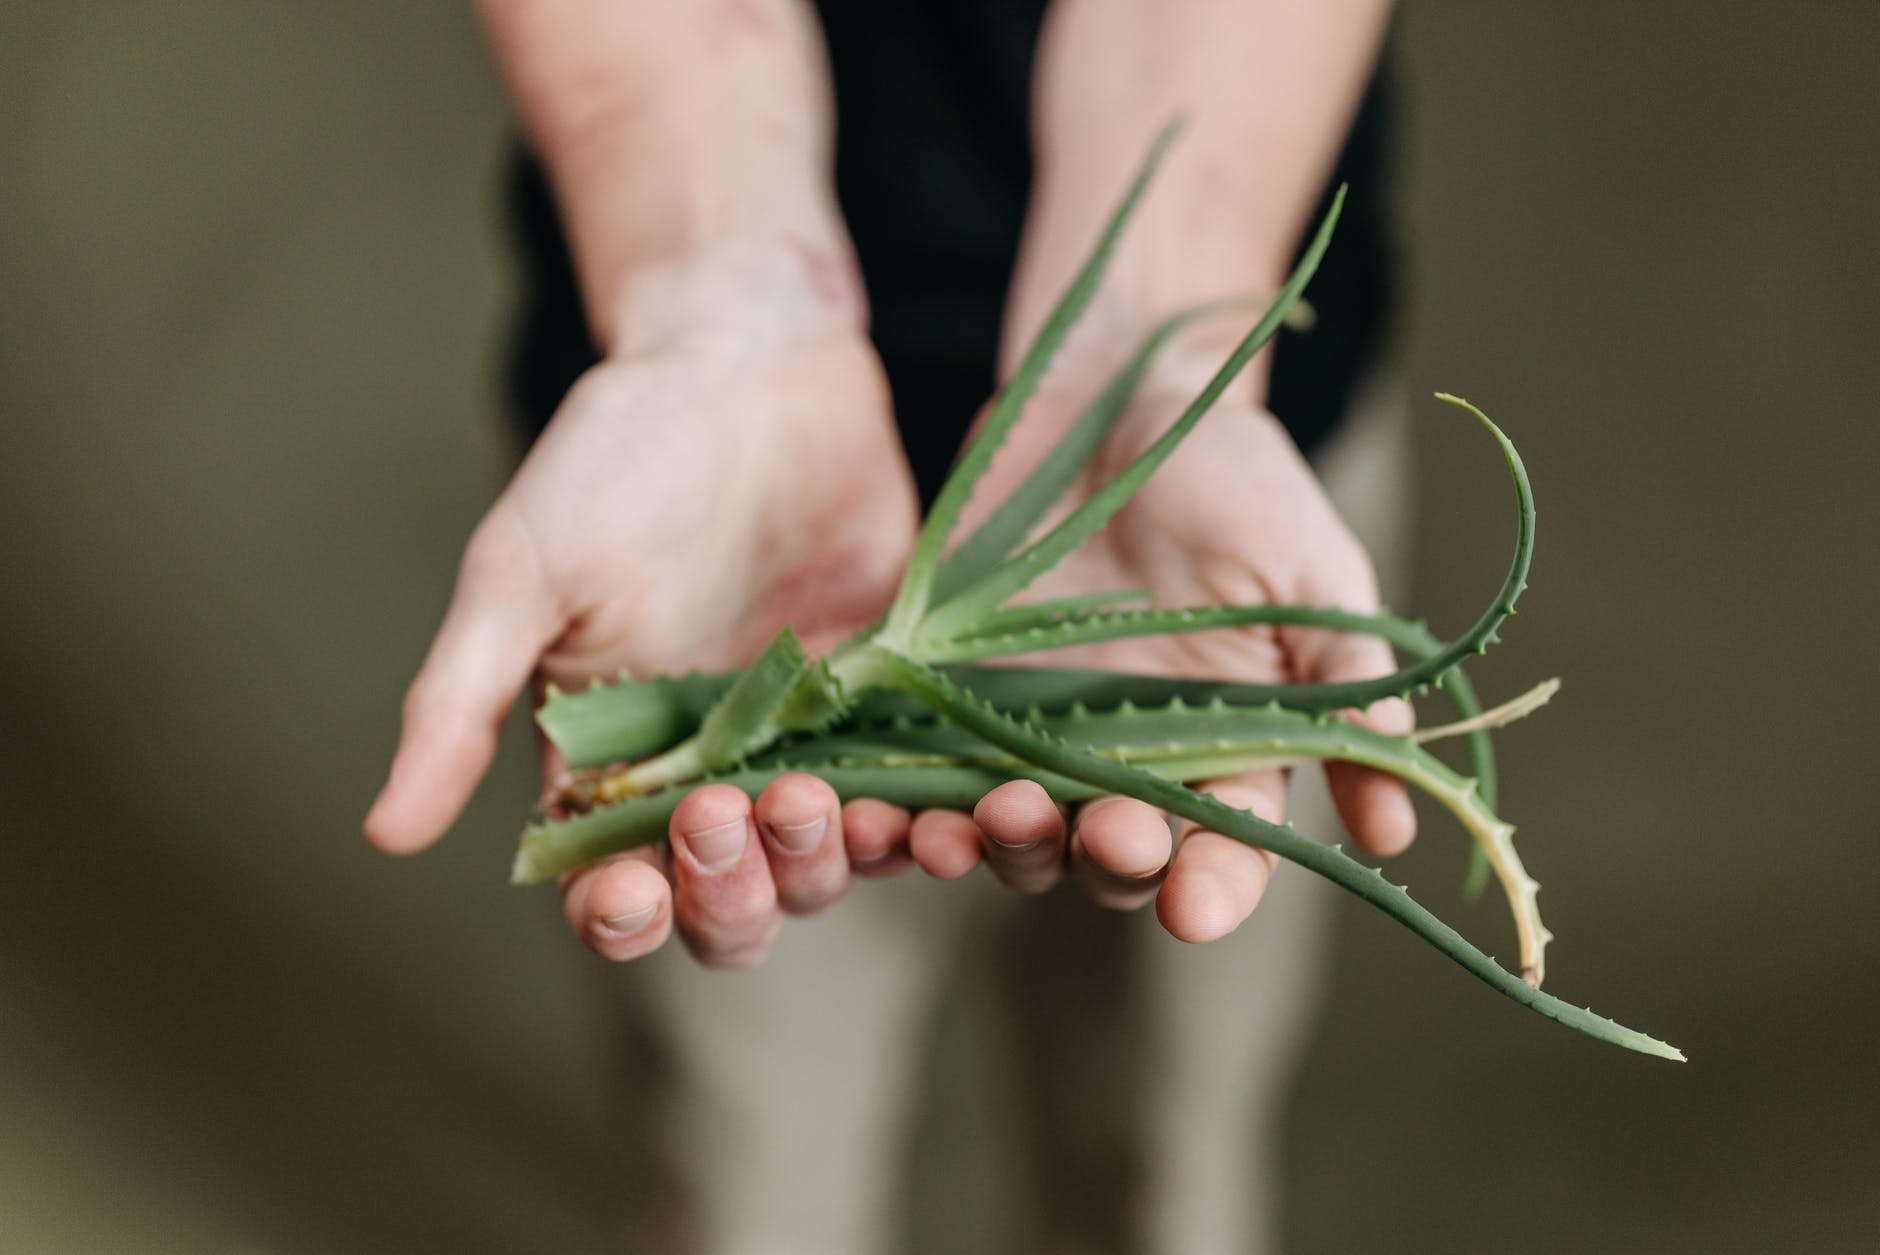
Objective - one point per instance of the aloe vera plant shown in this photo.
(899, 711)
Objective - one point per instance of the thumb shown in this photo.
(501, 617)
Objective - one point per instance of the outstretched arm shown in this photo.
(1268, 89)
(670, 130)
(729, 467)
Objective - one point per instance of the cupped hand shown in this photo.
(687, 501)
(1235, 516)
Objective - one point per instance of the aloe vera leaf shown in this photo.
(1102, 625)
(1516, 708)
(916, 589)
(965, 609)
(1065, 631)
(1047, 482)
(1461, 796)
(1333, 864)
(792, 693)
(1009, 688)
(589, 735)
(1016, 635)
(1049, 688)
(628, 718)
(931, 762)
(552, 847)
(1417, 640)
(1109, 625)
(1433, 669)
(654, 715)
(1182, 742)
(1057, 610)
(1176, 729)
(610, 722)
(784, 690)
(1015, 518)
(1476, 877)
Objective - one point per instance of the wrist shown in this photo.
(1180, 252)
(744, 292)
(1213, 320)
(730, 219)
(698, 200)
(1192, 356)
(672, 134)
(1267, 91)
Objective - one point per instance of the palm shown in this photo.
(682, 506)
(681, 511)
(1234, 516)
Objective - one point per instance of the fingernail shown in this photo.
(716, 849)
(800, 838)
(1018, 847)
(631, 921)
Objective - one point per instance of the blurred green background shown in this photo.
(250, 303)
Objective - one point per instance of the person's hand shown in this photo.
(735, 470)
(1235, 515)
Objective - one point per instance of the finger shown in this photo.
(725, 898)
(1214, 882)
(1120, 849)
(946, 844)
(800, 820)
(1373, 805)
(501, 617)
(876, 834)
(620, 908)
(1024, 835)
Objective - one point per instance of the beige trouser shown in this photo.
(765, 1111)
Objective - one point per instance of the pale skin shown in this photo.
(732, 465)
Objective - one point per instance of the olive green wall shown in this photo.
(250, 291)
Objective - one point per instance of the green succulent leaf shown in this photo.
(917, 584)
(966, 608)
(1019, 514)
(1365, 882)
(864, 717)
(629, 718)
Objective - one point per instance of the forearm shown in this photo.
(1268, 88)
(674, 131)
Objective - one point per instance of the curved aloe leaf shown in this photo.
(1367, 883)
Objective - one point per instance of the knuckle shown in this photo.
(1349, 563)
(1115, 891)
(734, 952)
(708, 806)
(718, 793)
(796, 797)
(737, 928)
(1028, 873)
(1123, 900)
(420, 700)
(490, 551)
(808, 899)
